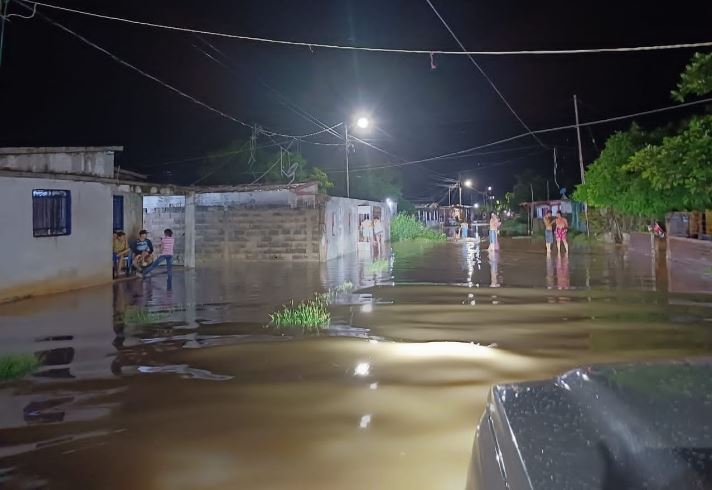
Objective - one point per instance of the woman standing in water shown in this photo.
(494, 225)
(562, 229)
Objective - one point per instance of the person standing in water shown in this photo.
(494, 225)
(367, 229)
(548, 230)
(562, 229)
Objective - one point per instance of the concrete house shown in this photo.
(58, 207)
(56, 213)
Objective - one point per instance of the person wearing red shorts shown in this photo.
(562, 229)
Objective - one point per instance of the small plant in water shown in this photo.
(378, 266)
(141, 316)
(344, 287)
(17, 366)
(311, 313)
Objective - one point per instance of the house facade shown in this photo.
(60, 205)
(56, 217)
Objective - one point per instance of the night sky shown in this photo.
(57, 91)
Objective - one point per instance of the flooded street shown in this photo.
(177, 383)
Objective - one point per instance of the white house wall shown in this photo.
(39, 265)
(341, 233)
(76, 161)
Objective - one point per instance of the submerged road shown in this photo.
(176, 383)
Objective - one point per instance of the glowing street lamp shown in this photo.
(489, 188)
(468, 183)
(363, 122)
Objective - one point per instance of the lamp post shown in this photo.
(362, 122)
(468, 184)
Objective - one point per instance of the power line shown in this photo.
(289, 104)
(538, 131)
(489, 80)
(312, 45)
(164, 84)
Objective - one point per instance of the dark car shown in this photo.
(612, 427)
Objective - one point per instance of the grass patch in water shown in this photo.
(311, 313)
(378, 266)
(344, 287)
(18, 365)
(141, 316)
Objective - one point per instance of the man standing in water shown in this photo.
(562, 229)
(548, 230)
(493, 231)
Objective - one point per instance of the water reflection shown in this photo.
(562, 271)
(494, 269)
(414, 346)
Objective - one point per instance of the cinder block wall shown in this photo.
(158, 219)
(225, 234)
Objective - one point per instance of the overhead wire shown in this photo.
(289, 104)
(482, 72)
(538, 131)
(165, 84)
(312, 45)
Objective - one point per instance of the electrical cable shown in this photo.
(486, 77)
(311, 45)
(164, 84)
(290, 105)
(538, 131)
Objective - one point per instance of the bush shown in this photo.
(17, 366)
(407, 227)
(514, 228)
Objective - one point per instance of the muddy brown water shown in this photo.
(177, 383)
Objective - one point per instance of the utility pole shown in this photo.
(578, 135)
(346, 139)
(4, 4)
(580, 152)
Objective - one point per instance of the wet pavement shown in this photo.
(177, 383)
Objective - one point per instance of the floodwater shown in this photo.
(176, 383)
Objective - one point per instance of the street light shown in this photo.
(489, 188)
(477, 205)
(362, 122)
(468, 183)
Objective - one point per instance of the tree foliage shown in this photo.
(650, 173)
(680, 168)
(377, 185)
(696, 79)
(232, 165)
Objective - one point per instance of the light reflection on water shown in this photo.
(389, 395)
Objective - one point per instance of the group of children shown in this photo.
(141, 252)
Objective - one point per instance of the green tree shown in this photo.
(696, 79)
(679, 170)
(377, 185)
(649, 174)
(318, 175)
(232, 165)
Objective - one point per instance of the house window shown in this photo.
(51, 212)
(118, 213)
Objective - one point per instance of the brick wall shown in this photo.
(158, 219)
(228, 233)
